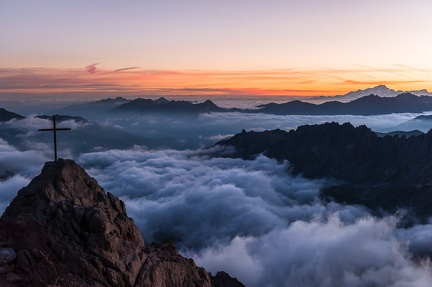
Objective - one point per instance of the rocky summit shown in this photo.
(63, 229)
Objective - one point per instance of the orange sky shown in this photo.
(288, 82)
(240, 47)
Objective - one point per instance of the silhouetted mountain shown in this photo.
(6, 115)
(148, 106)
(93, 107)
(63, 229)
(422, 122)
(401, 133)
(369, 105)
(387, 173)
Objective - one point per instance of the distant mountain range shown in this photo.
(371, 104)
(380, 90)
(382, 173)
(93, 107)
(368, 105)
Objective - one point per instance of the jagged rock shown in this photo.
(63, 229)
(383, 173)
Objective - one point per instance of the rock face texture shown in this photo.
(63, 229)
(389, 172)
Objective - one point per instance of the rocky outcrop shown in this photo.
(389, 172)
(63, 229)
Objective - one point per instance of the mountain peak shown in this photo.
(161, 100)
(64, 180)
(65, 222)
(64, 229)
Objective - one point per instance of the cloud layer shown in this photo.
(255, 221)
(249, 218)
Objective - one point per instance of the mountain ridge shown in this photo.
(372, 101)
(366, 106)
(387, 173)
(163, 105)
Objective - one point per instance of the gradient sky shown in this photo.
(308, 47)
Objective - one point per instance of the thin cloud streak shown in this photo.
(296, 82)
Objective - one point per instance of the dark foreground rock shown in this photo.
(63, 229)
(382, 173)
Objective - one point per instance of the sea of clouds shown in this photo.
(250, 218)
(257, 222)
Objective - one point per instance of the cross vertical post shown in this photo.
(55, 129)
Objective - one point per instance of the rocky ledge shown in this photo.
(63, 229)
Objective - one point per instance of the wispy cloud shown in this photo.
(91, 69)
(126, 69)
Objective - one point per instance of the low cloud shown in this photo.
(251, 218)
(9, 188)
(16, 171)
(321, 253)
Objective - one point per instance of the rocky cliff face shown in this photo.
(388, 172)
(63, 229)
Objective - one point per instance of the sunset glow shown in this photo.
(194, 48)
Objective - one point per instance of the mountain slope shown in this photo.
(63, 229)
(6, 115)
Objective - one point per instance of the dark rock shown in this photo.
(63, 229)
(222, 279)
(12, 277)
(389, 172)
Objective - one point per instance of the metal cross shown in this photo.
(55, 129)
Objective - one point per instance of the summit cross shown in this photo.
(54, 129)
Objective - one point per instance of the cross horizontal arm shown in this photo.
(62, 129)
